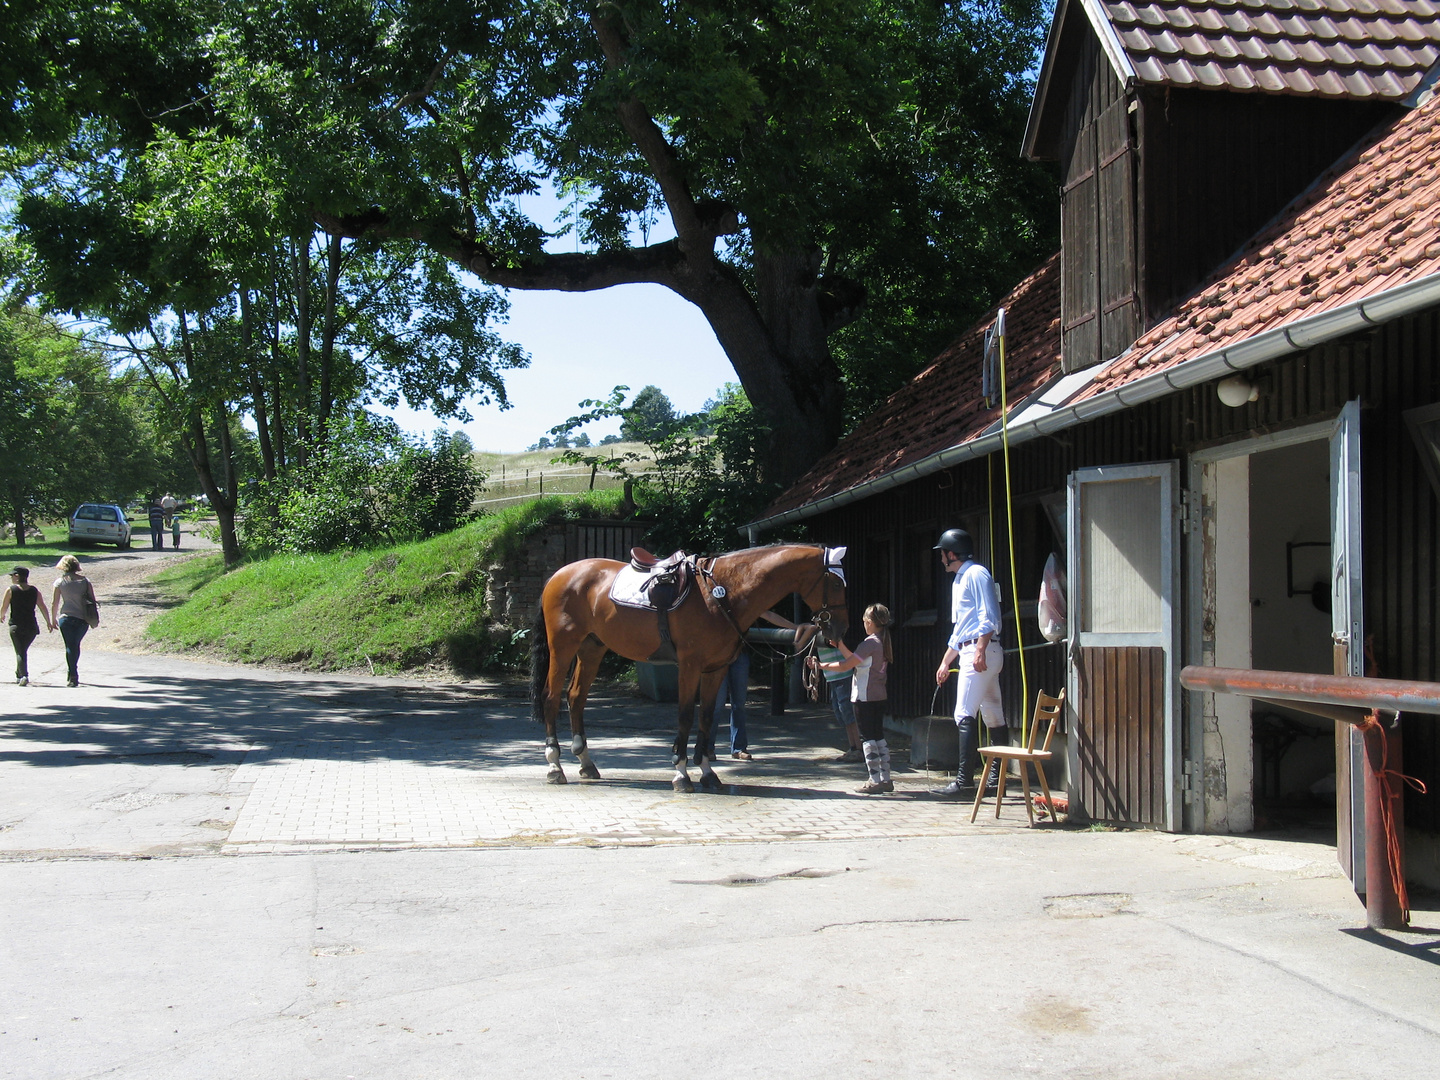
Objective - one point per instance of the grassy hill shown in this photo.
(514, 478)
(388, 610)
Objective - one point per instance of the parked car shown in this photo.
(100, 523)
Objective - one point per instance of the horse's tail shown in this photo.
(539, 665)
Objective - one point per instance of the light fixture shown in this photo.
(1237, 390)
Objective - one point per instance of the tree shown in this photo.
(70, 431)
(650, 415)
(841, 176)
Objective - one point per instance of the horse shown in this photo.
(578, 623)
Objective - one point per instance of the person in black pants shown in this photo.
(20, 601)
(157, 525)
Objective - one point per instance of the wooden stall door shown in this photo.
(1124, 756)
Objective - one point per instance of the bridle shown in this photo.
(822, 616)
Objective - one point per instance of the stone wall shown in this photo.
(512, 588)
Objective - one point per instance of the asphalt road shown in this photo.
(139, 941)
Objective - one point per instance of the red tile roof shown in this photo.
(942, 405)
(1366, 49)
(1368, 225)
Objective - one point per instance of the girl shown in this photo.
(871, 664)
(21, 600)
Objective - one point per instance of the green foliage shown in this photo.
(70, 430)
(394, 609)
(707, 474)
(367, 485)
(843, 172)
(650, 416)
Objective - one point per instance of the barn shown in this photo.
(1222, 411)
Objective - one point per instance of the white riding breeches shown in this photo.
(979, 691)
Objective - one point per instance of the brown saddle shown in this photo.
(643, 561)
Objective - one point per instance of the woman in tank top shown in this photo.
(20, 602)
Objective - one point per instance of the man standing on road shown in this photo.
(975, 611)
(157, 524)
(168, 504)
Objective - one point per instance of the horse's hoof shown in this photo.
(555, 776)
(683, 785)
(589, 772)
(713, 781)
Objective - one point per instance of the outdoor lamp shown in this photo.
(1237, 390)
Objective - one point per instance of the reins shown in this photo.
(821, 618)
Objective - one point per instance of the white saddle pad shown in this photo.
(628, 590)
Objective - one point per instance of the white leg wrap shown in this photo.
(585, 762)
(552, 755)
(707, 767)
(681, 773)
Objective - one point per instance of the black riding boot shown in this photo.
(964, 782)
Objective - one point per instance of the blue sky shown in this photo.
(581, 345)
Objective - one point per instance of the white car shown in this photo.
(100, 523)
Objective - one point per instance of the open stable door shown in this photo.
(1348, 634)
(1125, 745)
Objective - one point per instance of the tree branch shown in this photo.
(425, 91)
(656, 264)
(693, 227)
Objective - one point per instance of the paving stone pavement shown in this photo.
(156, 756)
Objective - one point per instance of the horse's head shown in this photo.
(825, 596)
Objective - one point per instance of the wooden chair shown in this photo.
(1048, 711)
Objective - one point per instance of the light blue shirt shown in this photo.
(974, 605)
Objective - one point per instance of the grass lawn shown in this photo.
(390, 609)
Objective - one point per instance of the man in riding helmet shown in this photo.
(975, 612)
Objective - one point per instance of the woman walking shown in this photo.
(68, 601)
(21, 600)
(871, 664)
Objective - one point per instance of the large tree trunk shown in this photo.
(779, 348)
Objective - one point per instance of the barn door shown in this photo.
(1347, 632)
(1124, 753)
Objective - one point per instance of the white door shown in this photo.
(1125, 745)
(1348, 634)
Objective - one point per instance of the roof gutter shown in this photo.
(1294, 337)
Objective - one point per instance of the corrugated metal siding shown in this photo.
(1391, 369)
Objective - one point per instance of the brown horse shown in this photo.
(578, 623)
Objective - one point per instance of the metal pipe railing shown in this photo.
(1373, 706)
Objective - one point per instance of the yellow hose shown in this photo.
(1010, 536)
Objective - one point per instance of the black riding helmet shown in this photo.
(957, 542)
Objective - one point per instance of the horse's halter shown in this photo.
(825, 612)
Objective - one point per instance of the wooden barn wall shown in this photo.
(1391, 369)
(1216, 166)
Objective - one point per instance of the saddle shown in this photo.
(654, 584)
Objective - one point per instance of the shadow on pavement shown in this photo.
(168, 720)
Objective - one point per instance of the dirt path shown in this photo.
(128, 597)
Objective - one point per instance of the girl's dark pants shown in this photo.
(870, 715)
(72, 630)
(21, 637)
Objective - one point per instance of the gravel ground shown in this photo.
(128, 597)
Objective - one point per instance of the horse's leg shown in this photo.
(705, 740)
(587, 665)
(689, 684)
(562, 654)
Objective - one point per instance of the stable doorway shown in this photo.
(1261, 546)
